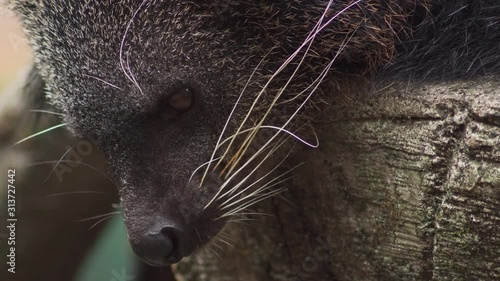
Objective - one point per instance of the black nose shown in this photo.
(164, 246)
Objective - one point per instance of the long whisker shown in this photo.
(201, 166)
(99, 221)
(253, 214)
(55, 166)
(74, 192)
(103, 81)
(132, 74)
(275, 128)
(216, 254)
(71, 161)
(40, 133)
(238, 222)
(221, 188)
(268, 185)
(122, 46)
(99, 216)
(242, 220)
(227, 243)
(251, 136)
(257, 181)
(249, 174)
(214, 242)
(248, 139)
(261, 150)
(323, 75)
(229, 118)
(318, 82)
(258, 192)
(46, 111)
(257, 200)
(293, 135)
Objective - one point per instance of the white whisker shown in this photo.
(256, 193)
(132, 74)
(46, 111)
(99, 216)
(242, 181)
(294, 135)
(227, 243)
(322, 75)
(99, 221)
(254, 214)
(266, 186)
(60, 159)
(229, 118)
(238, 156)
(251, 136)
(256, 200)
(201, 166)
(103, 81)
(122, 46)
(71, 161)
(40, 133)
(215, 253)
(74, 192)
(248, 187)
(214, 242)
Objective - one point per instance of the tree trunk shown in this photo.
(404, 186)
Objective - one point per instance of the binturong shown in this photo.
(198, 105)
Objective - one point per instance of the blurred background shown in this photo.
(15, 53)
(69, 227)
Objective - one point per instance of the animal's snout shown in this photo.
(164, 244)
(172, 222)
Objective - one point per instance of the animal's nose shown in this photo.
(164, 246)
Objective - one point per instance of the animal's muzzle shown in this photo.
(164, 244)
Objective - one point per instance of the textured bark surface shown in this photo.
(404, 186)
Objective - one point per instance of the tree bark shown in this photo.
(404, 186)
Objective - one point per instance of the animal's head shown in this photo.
(161, 87)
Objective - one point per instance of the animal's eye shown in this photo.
(181, 100)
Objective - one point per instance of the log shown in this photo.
(404, 186)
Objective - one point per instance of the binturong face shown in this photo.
(195, 103)
(153, 84)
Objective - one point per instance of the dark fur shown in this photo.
(461, 39)
(212, 47)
